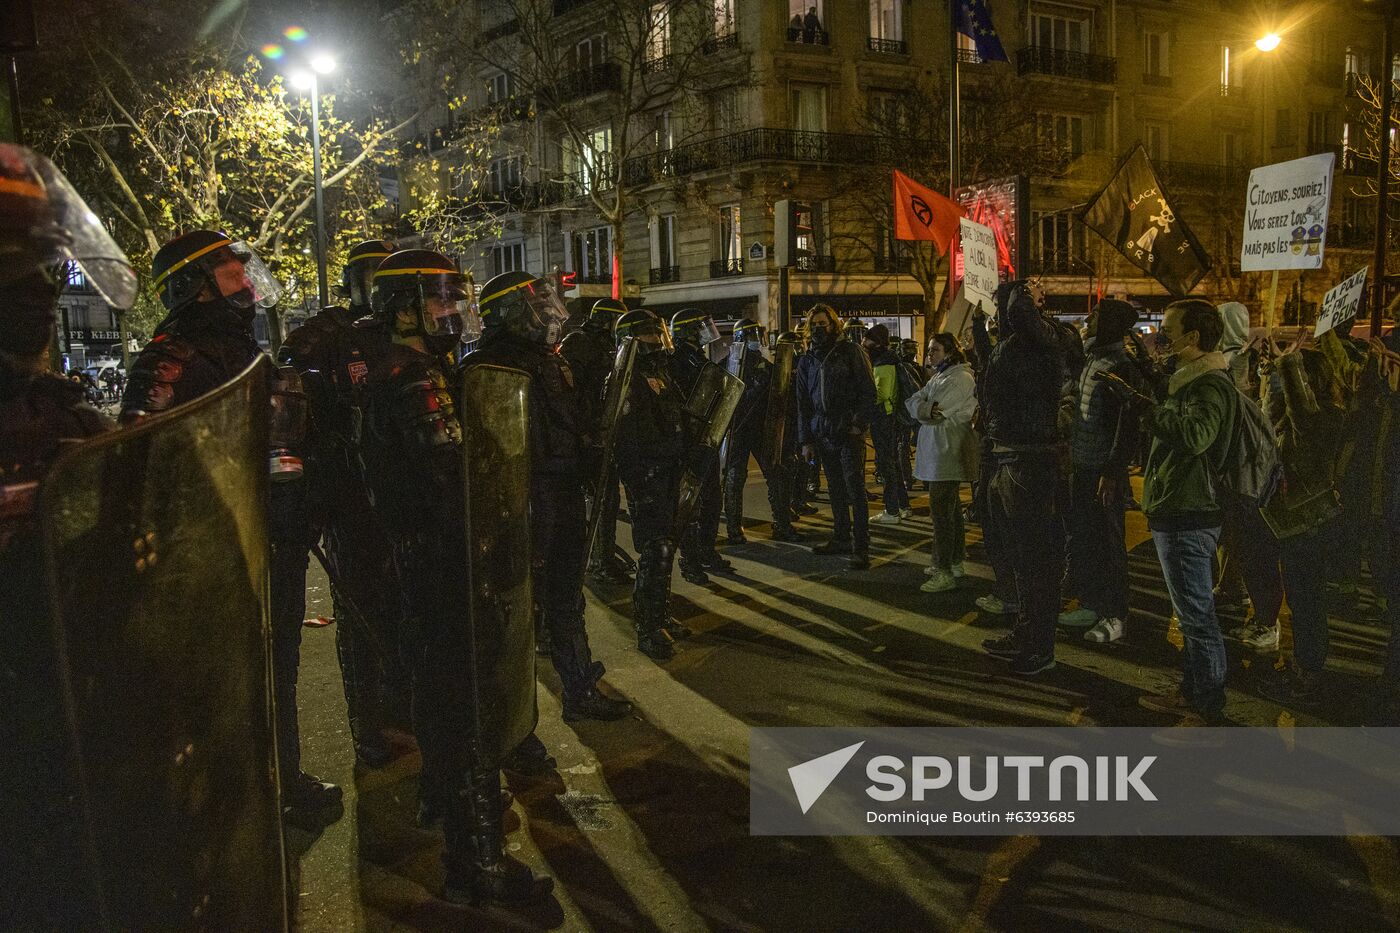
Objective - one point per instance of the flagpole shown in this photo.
(954, 102)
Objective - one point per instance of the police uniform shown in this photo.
(697, 543)
(746, 438)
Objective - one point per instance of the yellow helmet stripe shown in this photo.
(360, 256)
(187, 260)
(379, 272)
(506, 291)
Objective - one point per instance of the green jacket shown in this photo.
(1177, 491)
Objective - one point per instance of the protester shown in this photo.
(946, 456)
(835, 398)
(885, 428)
(1183, 513)
(1306, 400)
(1104, 440)
(1021, 394)
(1002, 599)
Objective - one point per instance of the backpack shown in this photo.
(1248, 468)
(906, 386)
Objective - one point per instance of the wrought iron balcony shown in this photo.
(509, 28)
(595, 278)
(659, 64)
(1200, 175)
(1058, 262)
(815, 264)
(664, 274)
(716, 44)
(606, 76)
(1156, 80)
(900, 264)
(887, 46)
(1065, 64)
(719, 268)
(805, 37)
(969, 57)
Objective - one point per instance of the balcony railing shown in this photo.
(664, 274)
(1200, 175)
(564, 6)
(900, 264)
(719, 268)
(509, 28)
(969, 57)
(808, 36)
(716, 44)
(658, 64)
(606, 76)
(815, 264)
(1058, 262)
(887, 46)
(595, 278)
(1065, 64)
(1156, 80)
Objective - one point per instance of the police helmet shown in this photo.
(427, 284)
(526, 306)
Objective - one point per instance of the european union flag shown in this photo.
(975, 22)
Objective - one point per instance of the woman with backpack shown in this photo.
(946, 455)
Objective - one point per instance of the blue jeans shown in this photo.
(1187, 559)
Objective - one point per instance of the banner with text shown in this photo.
(979, 256)
(1285, 214)
(1341, 303)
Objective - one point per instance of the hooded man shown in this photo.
(1102, 446)
(1021, 395)
(835, 399)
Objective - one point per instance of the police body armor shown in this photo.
(709, 410)
(155, 549)
(496, 491)
(609, 420)
(775, 421)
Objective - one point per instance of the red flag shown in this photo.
(923, 214)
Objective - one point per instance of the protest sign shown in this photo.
(1285, 214)
(1340, 303)
(979, 255)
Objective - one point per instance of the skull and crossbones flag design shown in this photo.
(1134, 213)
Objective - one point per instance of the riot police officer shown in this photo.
(651, 450)
(747, 436)
(412, 457)
(523, 319)
(212, 286)
(329, 353)
(693, 331)
(798, 470)
(589, 352)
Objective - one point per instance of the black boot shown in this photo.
(308, 801)
(656, 644)
(491, 874)
(692, 571)
(361, 677)
(530, 758)
(786, 533)
(573, 660)
(713, 560)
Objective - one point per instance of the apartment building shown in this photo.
(792, 99)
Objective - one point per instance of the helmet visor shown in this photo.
(545, 305)
(267, 291)
(448, 308)
(709, 331)
(66, 231)
(651, 335)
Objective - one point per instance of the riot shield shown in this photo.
(711, 406)
(156, 562)
(775, 419)
(614, 398)
(501, 629)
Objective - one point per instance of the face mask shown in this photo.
(754, 346)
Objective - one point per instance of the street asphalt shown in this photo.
(645, 824)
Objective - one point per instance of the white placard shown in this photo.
(979, 256)
(1285, 214)
(1340, 303)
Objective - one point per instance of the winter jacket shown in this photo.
(1105, 433)
(886, 370)
(1302, 401)
(835, 393)
(947, 446)
(1187, 428)
(1021, 384)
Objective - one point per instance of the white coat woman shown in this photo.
(946, 456)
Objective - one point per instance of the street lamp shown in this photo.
(308, 80)
(1267, 43)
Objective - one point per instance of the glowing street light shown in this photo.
(307, 80)
(1267, 43)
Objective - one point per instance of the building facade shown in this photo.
(796, 100)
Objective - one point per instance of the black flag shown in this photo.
(1132, 212)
